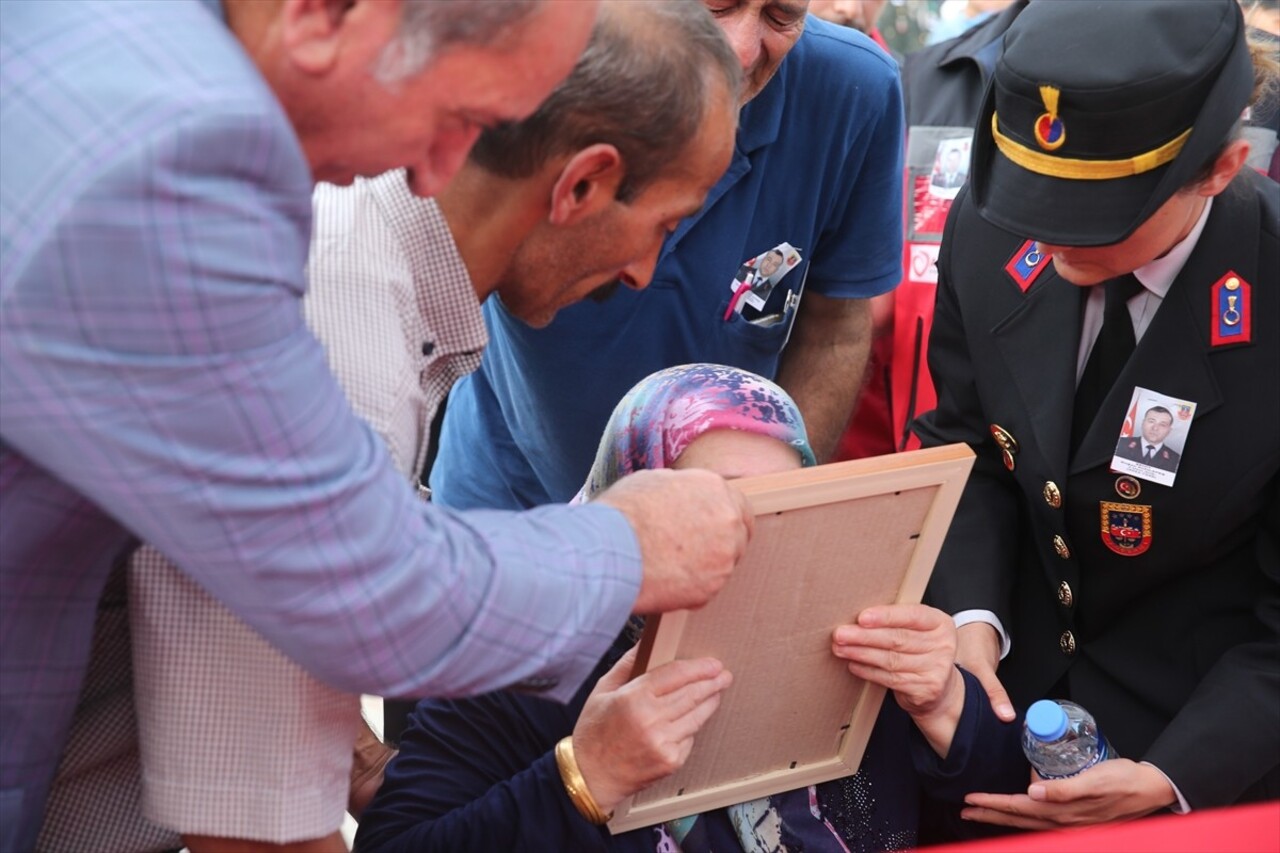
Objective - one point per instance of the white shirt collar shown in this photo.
(1158, 275)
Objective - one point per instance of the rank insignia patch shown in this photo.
(1231, 317)
(1026, 265)
(1126, 528)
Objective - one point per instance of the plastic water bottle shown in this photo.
(1060, 739)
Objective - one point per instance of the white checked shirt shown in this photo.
(392, 302)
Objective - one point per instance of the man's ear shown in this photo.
(318, 34)
(1225, 168)
(588, 183)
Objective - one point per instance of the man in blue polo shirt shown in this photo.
(817, 166)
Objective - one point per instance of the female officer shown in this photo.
(1109, 252)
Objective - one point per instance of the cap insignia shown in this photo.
(1049, 131)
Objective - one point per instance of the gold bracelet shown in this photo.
(571, 776)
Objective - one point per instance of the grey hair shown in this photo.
(642, 85)
(428, 27)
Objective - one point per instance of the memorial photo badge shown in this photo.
(755, 281)
(1153, 437)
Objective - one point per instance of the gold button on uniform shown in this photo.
(1067, 643)
(1065, 598)
(1052, 496)
(1003, 438)
(1060, 547)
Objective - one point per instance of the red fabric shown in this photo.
(1240, 829)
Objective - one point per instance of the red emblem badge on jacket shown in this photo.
(1126, 528)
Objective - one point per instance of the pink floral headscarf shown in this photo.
(664, 412)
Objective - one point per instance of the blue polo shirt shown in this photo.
(817, 164)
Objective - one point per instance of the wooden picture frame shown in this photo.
(829, 541)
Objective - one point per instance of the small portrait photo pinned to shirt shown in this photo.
(757, 277)
(1153, 436)
(950, 167)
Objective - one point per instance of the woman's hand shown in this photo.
(911, 650)
(1118, 789)
(633, 733)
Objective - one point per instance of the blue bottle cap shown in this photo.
(1046, 720)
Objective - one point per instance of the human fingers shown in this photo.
(901, 641)
(747, 515)
(619, 673)
(1061, 790)
(685, 727)
(999, 817)
(918, 692)
(1112, 790)
(674, 675)
(996, 695)
(978, 650)
(692, 527)
(916, 617)
(685, 700)
(1025, 811)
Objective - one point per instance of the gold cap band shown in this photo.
(576, 786)
(1086, 170)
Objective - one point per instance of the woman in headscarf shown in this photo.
(508, 772)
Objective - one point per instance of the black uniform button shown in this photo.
(1065, 597)
(428, 347)
(1067, 643)
(1052, 495)
(1060, 547)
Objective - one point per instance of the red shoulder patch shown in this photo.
(1026, 265)
(1231, 320)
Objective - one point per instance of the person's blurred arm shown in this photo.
(157, 361)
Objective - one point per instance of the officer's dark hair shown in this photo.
(642, 85)
(1162, 410)
(1266, 96)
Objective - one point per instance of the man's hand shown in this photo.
(1118, 789)
(910, 649)
(978, 650)
(633, 733)
(693, 528)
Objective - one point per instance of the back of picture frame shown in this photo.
(829, 542)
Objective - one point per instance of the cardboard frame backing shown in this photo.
(830, 541)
